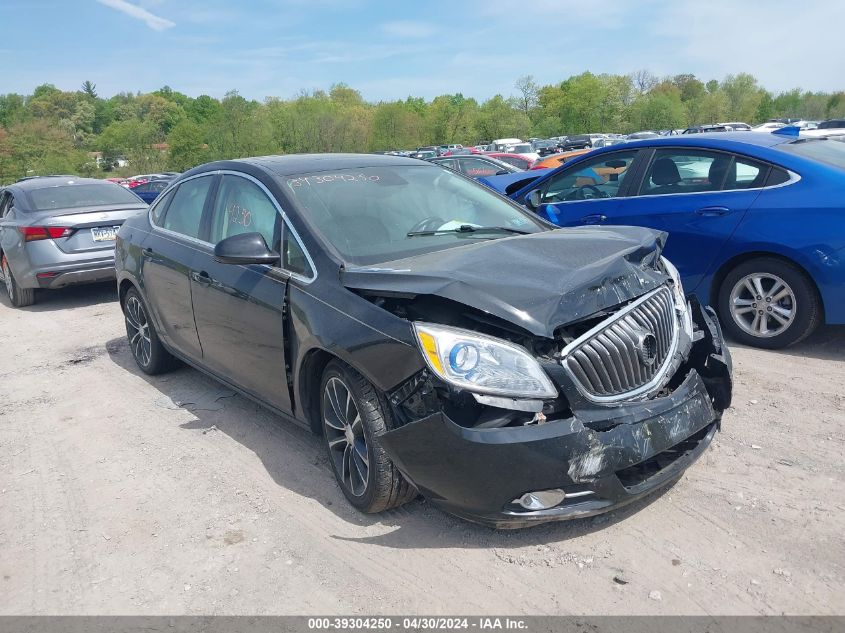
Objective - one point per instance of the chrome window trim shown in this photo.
(659, 376)
(286, 220)
(219, 172)
(793, 178)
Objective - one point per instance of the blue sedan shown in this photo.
(148, 191)
(756, 221)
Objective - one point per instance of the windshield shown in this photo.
(72, 196)
(823, 150)
(368, 213)
(522, 149)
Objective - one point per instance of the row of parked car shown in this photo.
(147, 186)
(552, 152)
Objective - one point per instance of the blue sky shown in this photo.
(390, 49)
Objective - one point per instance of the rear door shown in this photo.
(169, 254)
(587, 192)
(239, 310)
(698, 197)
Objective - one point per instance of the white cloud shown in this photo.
(408, 29)
(777, 43)
(153, 21)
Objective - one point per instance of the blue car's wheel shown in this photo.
(770, 303)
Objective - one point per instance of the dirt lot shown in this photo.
(122, 494)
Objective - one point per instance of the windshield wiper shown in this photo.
(469, 228)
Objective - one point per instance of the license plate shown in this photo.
(107, 234)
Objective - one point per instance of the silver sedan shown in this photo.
(59, 230)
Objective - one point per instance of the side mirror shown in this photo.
(245, 248)
(533, 200)
(502, 172)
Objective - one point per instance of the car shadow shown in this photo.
(67, 298)
(296, 460)
(826, 343)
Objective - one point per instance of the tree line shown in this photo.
(57, 131)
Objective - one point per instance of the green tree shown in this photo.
(90, 89)
(187, 146)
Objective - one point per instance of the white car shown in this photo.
(737, 126)
(768, 126)
(500, 144)
(835, 133)
(523, 149)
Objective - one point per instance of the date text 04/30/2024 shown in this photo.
(416, 623)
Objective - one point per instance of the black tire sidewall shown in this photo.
(807, 304)
(372, 425)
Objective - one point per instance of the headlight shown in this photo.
(680, 298)
(482, 364)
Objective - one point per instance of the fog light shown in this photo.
(541, 499)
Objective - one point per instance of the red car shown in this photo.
(516, 160)
(462, 151)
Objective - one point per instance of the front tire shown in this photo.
(19, 297)
(146, 348)
(354, 415)
(769, 303)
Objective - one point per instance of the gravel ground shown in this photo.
(125, 494)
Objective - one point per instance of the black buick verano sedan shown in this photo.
(441, 339)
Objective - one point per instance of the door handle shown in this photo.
(201, 277)
(596, 218)
(712, 212)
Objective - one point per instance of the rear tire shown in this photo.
(769, 303)
(146, 348)
(354, 414)
(19, 297)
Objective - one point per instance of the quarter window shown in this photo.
(776, 177)
(243, 207)
(184, 214)
(601, 177)
(294, 258)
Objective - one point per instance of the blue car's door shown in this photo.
(587, 192)
(698, 197)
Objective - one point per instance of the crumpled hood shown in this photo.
(538, 282)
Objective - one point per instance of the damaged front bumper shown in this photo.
(600, 462)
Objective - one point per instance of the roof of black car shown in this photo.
(292, 164)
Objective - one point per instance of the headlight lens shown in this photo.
(680, 298)
(482, 364)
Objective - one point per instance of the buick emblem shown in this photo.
(646, 347)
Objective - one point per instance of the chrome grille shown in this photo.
(626, 354)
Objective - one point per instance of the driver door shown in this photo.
(588, 191)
